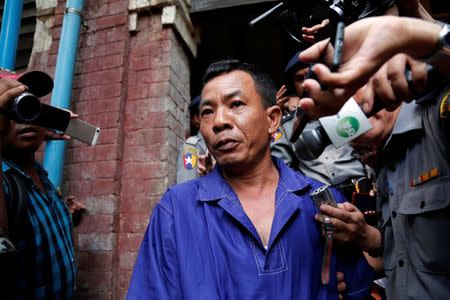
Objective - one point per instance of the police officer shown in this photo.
(188, 155)
(413, 201)
(335, 166)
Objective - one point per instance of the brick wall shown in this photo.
(135, 87)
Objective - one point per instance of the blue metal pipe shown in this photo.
(9, 35)
(65, 66)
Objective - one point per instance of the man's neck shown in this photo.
(256, 176)
(25, 160)
(255, 188)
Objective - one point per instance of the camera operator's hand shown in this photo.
(350, 227)
(9, 89)
(51, 135)
(368, 44)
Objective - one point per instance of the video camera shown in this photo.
(28, 109)
(294, 14)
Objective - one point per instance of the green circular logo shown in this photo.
(347, 127)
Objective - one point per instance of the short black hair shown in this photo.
(263, 84)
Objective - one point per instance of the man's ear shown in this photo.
(274, 118)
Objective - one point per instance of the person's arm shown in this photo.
(156, 273)
(9, 89)
(368, 44)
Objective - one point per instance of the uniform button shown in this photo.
(422, 204)
(400, 263)
(394, 214)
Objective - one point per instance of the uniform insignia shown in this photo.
(426, 176)
(277, 135)
(189, 160)
(444, 107)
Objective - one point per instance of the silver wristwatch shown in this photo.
(443, 47)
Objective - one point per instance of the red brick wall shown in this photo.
(135, 87)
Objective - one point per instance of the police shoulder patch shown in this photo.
(190, 158)
(444, 105)
(277, 135)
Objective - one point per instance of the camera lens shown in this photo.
(26, 108)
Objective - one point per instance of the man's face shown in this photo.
(24, 137)
(368, 144)
(235, 124)
(298, 78)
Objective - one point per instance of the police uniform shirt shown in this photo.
(187, 162)
(334, 166)
(413, 202)
(280, 146)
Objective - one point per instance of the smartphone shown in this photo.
(83, 131)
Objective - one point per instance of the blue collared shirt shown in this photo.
(200, 244)
(46, 261)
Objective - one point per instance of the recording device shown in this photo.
(323, 195)
(294, 14)
(83, 131)
(312, 142)
(28, 109)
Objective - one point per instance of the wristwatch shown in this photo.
(443, 48)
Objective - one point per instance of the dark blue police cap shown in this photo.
(195, 103)
(295, 64)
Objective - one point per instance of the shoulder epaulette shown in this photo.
(193, 140)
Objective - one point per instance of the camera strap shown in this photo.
(328, 229)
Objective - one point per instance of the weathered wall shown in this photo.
(135, 86)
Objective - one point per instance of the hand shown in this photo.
(75, 207)
(309, 33)
(206, 163)
(391, 86)
(368, 44)
(350, 227)
(9, 89)
(281, 97)
(51, 135)
(341, 285)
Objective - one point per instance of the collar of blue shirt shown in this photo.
(214, 186)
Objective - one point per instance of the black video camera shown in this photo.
(27, 108)
(294, 14)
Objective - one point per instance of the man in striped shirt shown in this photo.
(42, 231)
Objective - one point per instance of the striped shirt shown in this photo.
(46, 262)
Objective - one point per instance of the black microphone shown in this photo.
(312, 142)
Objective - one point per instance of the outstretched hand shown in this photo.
(368, 44)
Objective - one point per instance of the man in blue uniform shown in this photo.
(246, 230)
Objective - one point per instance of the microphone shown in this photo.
(312, 142)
